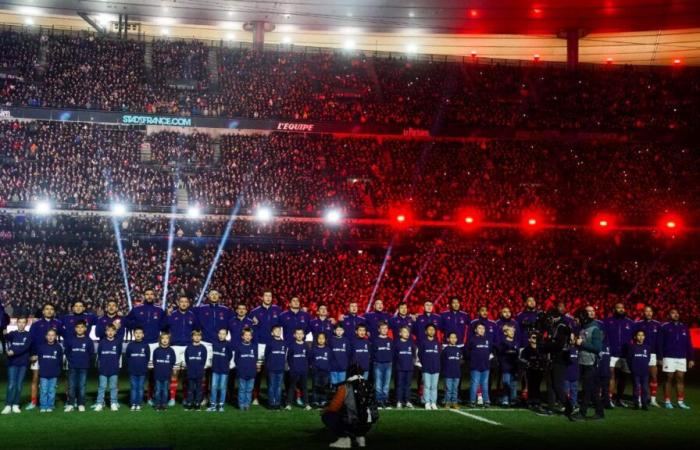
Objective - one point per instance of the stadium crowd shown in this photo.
(340, 87)
(89, 166)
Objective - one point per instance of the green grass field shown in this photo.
(298, 429)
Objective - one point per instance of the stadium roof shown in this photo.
(635, 31)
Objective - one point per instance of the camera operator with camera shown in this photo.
(557, 341)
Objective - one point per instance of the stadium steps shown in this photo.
(145, 152)
(148, 56)
(213, 67)
(372, 73)
(216, 150)
(183, 198)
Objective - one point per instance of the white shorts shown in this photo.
(619, 363)
(671, 365)
(179, 355)
(210, 355)
(261, 352)
(652, 360)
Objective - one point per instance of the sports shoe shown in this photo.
(138, 407)
(114, 407)
(307, 407)
(654, 403)
(15, 409)
(43, 410)
(68, 408)
(150, 402)
(682, 405)
(50, 410)
(434, 407)
(399, 405)
(171, 402)
(668, 405)
(98, 408)
(30, 406)
(343, 442)
(427, 406)
(211, 409)
(409, 405)
(221, 408)
(288, 407)
(81, 408)
(133, 408)
(387, 406)
(256, 402)
(6, 410)
(361, 441)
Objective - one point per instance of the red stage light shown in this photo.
(400, 217)
(473, 13)
(602, 223)
(537, 11)
(671, 224)
(609, 61)
(532, 221)
(677, 61)
(536, 57)
(469, 219)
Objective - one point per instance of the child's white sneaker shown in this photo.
(682, 405)
(361, 441)
(15, 409)
(68, 408)
(81, 408)
(255, 402)
(114, 407)
(288, 407)
(6, 410)
(409, 405)
(399, 405)
(98, 408)
(654, 403)
(427, 406)
(343, 442)
(307, 407)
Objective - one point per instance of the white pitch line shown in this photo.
(475, 417)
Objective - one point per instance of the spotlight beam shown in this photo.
(122, 261)
(220, 249)
(381, 275)
(171, 238)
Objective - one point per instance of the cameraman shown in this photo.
(590, 343)
(558, 341)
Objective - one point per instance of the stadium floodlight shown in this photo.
(193, 212)
(119, 210)
(333, 217)
(411, 48)
(263, 214)
(29, 21)
(42, 208)
(349, 44)
(286, 40)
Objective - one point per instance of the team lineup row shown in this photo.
(211, 340)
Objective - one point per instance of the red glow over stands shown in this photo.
(473, 13)
(609, 61)
(536, 57)
(677, 62)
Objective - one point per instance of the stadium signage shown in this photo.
(157, 120)
(5, 114)
(291, 126)
(416, 132)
